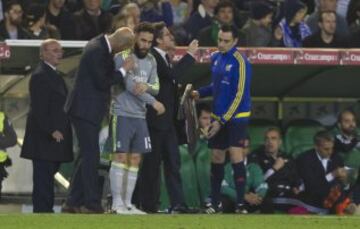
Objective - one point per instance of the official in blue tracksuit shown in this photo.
(230, 88)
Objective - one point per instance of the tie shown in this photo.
(168, 60)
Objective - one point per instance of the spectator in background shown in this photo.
(224, 15)
(279, 169)
(36, 23)
(353, 19)
(201, 18)
(346, 135)
(157, 11)
(181, 11)
(326, 37)
(292, 30)
(91, 20)
(320, 169)
(257, 30)
(342, 6)
(123, 20)
(342, 29)
(353, 13)
(60, 17)
(133, 10)
(10, 27)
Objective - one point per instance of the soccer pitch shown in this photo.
(48, 221)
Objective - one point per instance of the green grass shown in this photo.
(20, 221)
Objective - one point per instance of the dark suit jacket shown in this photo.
(313, 175)
(168, 91)
(86, 28)
(47, 98)
(65, 22)
(286, 176)
(90, 97)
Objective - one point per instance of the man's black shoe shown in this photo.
(182, 209)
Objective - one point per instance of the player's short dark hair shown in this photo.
(275, 129)
(158, 31)
(323, 135)
(200, 107)
(10, 4)
(145, 27)
(232, 29)
(224, 4)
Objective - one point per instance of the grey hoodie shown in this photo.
(125, 103)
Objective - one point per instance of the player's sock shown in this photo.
(240, 181)
(116, 175)
(217, 175)
(131, 182)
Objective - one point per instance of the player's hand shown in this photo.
(193, 47)
(296, 190)
(215, 126)
(129, 64)
(195, 95)
(57, 135)
(140, 88)
(159, 107)
(252, 198)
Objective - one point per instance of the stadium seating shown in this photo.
(189, 182)
(202, 165)
(299, 136)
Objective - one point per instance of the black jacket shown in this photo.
(313, 174)
(282, 181)
(87, 28)
(90, 97)
(168, 77)
(22, 33)
(47, 98)
(65, 23)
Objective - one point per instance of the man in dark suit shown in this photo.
(162, 127)
(87, 106)
(320, 169)
(48, 138)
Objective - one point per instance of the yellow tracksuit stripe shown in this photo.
(241, 84)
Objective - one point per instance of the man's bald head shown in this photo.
(51, 51)
(123, 38)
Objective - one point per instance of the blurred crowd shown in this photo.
(262, 23)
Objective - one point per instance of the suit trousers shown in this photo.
(84, 187)
(43, 185)
(164, 148)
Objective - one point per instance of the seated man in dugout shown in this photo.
(325, 179)
(279, 170)
(255, 187)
